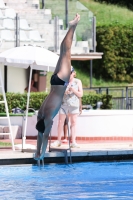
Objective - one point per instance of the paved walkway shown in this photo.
(88, 151)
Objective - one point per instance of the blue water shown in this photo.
(89, 180)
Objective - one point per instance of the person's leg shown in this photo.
(73, 121)
(57, 143)
(63, 68)
(61, 125)
(65, 130)
(43, 141)
(39, 144)
(39, 136)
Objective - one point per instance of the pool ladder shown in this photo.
(7, 117)
(63, 150)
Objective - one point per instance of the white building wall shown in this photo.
(93, 123)
(16, 79)
(2, 71)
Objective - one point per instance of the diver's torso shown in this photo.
(52, 103)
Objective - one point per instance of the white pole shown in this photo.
(26, 116)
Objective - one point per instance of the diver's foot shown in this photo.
(75, 20)
(36, 156)
(41, 157)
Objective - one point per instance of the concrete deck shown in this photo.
(91, 151)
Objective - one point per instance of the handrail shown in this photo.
(108, 87)
(123, 95)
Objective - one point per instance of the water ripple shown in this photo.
(88, 180)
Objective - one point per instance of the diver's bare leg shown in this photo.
(63, 68)
(48, 124)
(39, 144)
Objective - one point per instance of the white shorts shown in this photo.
(69, 110)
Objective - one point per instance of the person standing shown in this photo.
(71, 106)
(65, 128)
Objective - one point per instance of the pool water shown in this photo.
(88, 180)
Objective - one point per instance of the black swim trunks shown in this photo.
(40, 126)
(55, 80)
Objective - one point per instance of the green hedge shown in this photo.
(127, 3)
(19, 100)
(116, 43)
(15, 100)
(93, 98)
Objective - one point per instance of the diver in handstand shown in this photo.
(59, 82)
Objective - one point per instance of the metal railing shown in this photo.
(122, 96)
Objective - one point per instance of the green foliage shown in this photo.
(15, 100)
(116, 42)
(114, 38)
(5, 144)
(36, 99)
(92, 99)
(107, 14)
(127, 3)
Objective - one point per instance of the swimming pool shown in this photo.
(88, 180)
